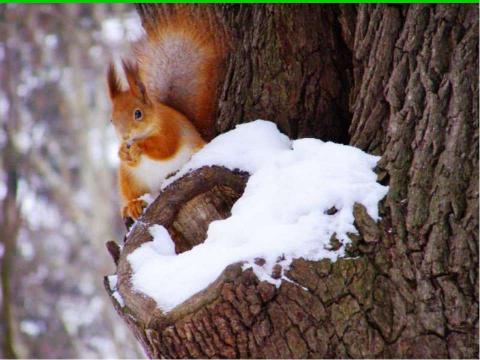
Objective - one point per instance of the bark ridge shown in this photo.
(404, 81)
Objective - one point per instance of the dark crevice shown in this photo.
(343, 63)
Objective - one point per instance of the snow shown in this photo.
(282, 214)
(112, 284)
(148, 198)
(118, 298)
(163, 243)
(249, 147)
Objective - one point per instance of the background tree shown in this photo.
(397, 81)
(57, 181)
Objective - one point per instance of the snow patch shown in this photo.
(163, 243)
(112, 284)
(118, 298)
(284, 213)
(148, 198)
(249, 147)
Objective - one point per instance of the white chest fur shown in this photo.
(153, 172)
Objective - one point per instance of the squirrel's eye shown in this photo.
(137, 114)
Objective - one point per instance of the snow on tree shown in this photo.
(399, 82)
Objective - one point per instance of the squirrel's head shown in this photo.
(131, 109)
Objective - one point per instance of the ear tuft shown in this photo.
(114, 86)
(133, 78)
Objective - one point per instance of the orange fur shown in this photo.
(161, 141)
(181, 62)
(131, 190)
(172, 83)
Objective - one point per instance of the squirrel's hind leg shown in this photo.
(133, 209)
(131, 190)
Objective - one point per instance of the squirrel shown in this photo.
(168, 111)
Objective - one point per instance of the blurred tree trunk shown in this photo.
(52, 68)
(10, 217)
(9, 225)
(397, 81)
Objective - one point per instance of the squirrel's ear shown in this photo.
(133, 78)
(114, 86)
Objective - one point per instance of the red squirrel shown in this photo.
(167, 112)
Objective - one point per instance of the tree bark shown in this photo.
(288, 64)
(418, 108)
(397, 81)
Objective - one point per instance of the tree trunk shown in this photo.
(397, 81)
(10, 219)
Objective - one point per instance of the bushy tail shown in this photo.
(181, 61)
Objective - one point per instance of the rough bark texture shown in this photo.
(412, 288)
(418, 108)
(286, 63)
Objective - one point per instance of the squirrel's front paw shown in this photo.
(133, 209)
(130, 153)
